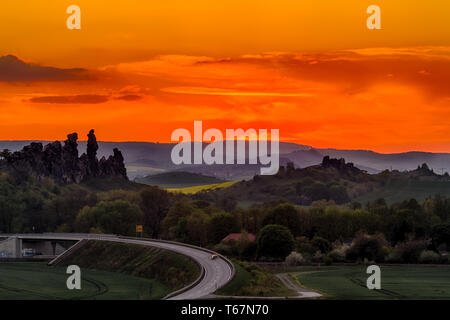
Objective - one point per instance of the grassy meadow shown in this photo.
(397, 282)
(37, 281)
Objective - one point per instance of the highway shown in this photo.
(217, 272)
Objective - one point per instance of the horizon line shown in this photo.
(268, 140)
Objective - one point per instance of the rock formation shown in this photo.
(62, 163)
(340, 165)
(92, 147)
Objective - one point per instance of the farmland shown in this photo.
(37, 281)
(397, 282)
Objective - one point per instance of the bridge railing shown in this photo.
(68, 252)
(60, 236)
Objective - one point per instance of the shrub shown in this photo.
(304, 246)
(318, 256)
(428, 256)
(445, 259)
(441, 235)
(394, 257)
(249, 251)
(275, 241)
(327, 260)
(294, 259)
(409, 251)
(223, 248)
(338, 254)
(252, 280)
(367, 247)
(321, 244)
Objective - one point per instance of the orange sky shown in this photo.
(311, 69)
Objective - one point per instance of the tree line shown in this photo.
(323, 231)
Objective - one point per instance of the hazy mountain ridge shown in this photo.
(139, 155)
(398, 161)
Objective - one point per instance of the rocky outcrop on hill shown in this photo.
(62, 163)
(340, 165)
(424, 170)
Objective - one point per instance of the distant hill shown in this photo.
(439, 162)
(336, 180)
(178, 179)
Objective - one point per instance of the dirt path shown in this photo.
(291, 284)
(288, 283)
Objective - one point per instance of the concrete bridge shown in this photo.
(43, 245)
(216, 270)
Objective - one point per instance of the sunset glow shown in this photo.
(138, 71)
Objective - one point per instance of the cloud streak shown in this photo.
(129, 97)
(12, 69)
(228, 92)
(76, 99)
(389, 100)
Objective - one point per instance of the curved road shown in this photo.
(217, 272)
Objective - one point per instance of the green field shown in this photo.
(144, 170)
(397, 282)
(195, 189)
(28, 280)
(178, 179)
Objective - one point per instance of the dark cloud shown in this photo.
(129, 97)
(12, 69)
(77, 99)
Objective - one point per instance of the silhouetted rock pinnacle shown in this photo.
(61, 162)
(92, 147)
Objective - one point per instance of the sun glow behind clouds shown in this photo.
(228, 92)
(345, 99)
(148, 67)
